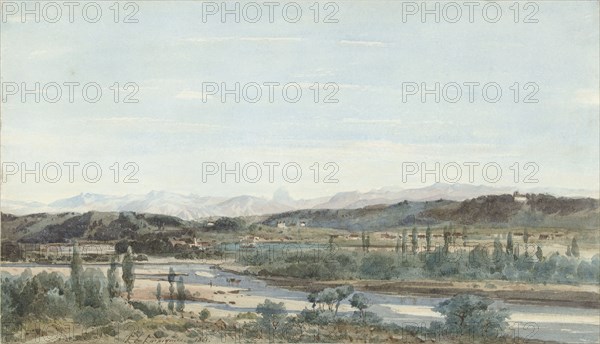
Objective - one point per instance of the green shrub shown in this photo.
(151, 309)
(205, 314)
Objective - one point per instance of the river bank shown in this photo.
(578, 296)
(209, 287)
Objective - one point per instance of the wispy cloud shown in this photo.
(363, 43)
(272, 39)
(394, 122)
(319, 72)
(156, 123)
(188, 94)
(241, 39)
(48, 53)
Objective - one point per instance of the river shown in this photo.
(564, 324)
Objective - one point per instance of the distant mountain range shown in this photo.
(189, 207)
(491, 211)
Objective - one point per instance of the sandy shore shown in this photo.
(581, 296)
(235, 300)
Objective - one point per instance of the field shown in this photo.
(229, 278)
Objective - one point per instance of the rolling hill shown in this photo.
(531, 210)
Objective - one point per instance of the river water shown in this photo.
(563, 324)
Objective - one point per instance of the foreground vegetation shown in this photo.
(90, 306)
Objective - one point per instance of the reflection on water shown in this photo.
(576, 325)
(564, 324)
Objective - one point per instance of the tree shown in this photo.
(446, 240)
(464, 235)
(342, 293)
(415, 240)
(113, 280)
(398, 244)
(76, 275)
(363, 240)
(128, 272)
(539, 254)
(526, 240)
(360, 302)
(171, 306)
(121, 246)
(498, 256)
(586, 272)
(378, 265)
(574, 248)
(313, 298)
(328, 297)
(171, 279)
(368, 243)
(180, 295)
(568, 253)
(171, 276)
(272, 314)
(509, 243)
(331, 239)
(230, 224)
(204, 314)
(479, 258)
(471, 314)
(428, 238)
(404, 240)
(94, 288)
(158, 293)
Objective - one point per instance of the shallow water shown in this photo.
(564, 324)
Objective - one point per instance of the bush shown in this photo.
(159, 334)
(470, 314)
(150, 309)
(227, 223)
(119, 311)
(272, 315)
(175, 327)
(378, 265)
(89, 316)
(246, 315)
(308, 316)
(205, 314)
(369, 318)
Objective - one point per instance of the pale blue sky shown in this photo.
(369, 133)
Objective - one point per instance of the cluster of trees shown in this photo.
(467, 315)
(176, 301)
(470, 315)
(366, 242)
(326, 303)
(498, 261)
(274, 320)
(402, 241)
(88, 296)
(311, 264)
(161, 244)
(506, 262)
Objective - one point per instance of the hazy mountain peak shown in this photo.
(281, 195)
(193, 206)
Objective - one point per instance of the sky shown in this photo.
(372, 131)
